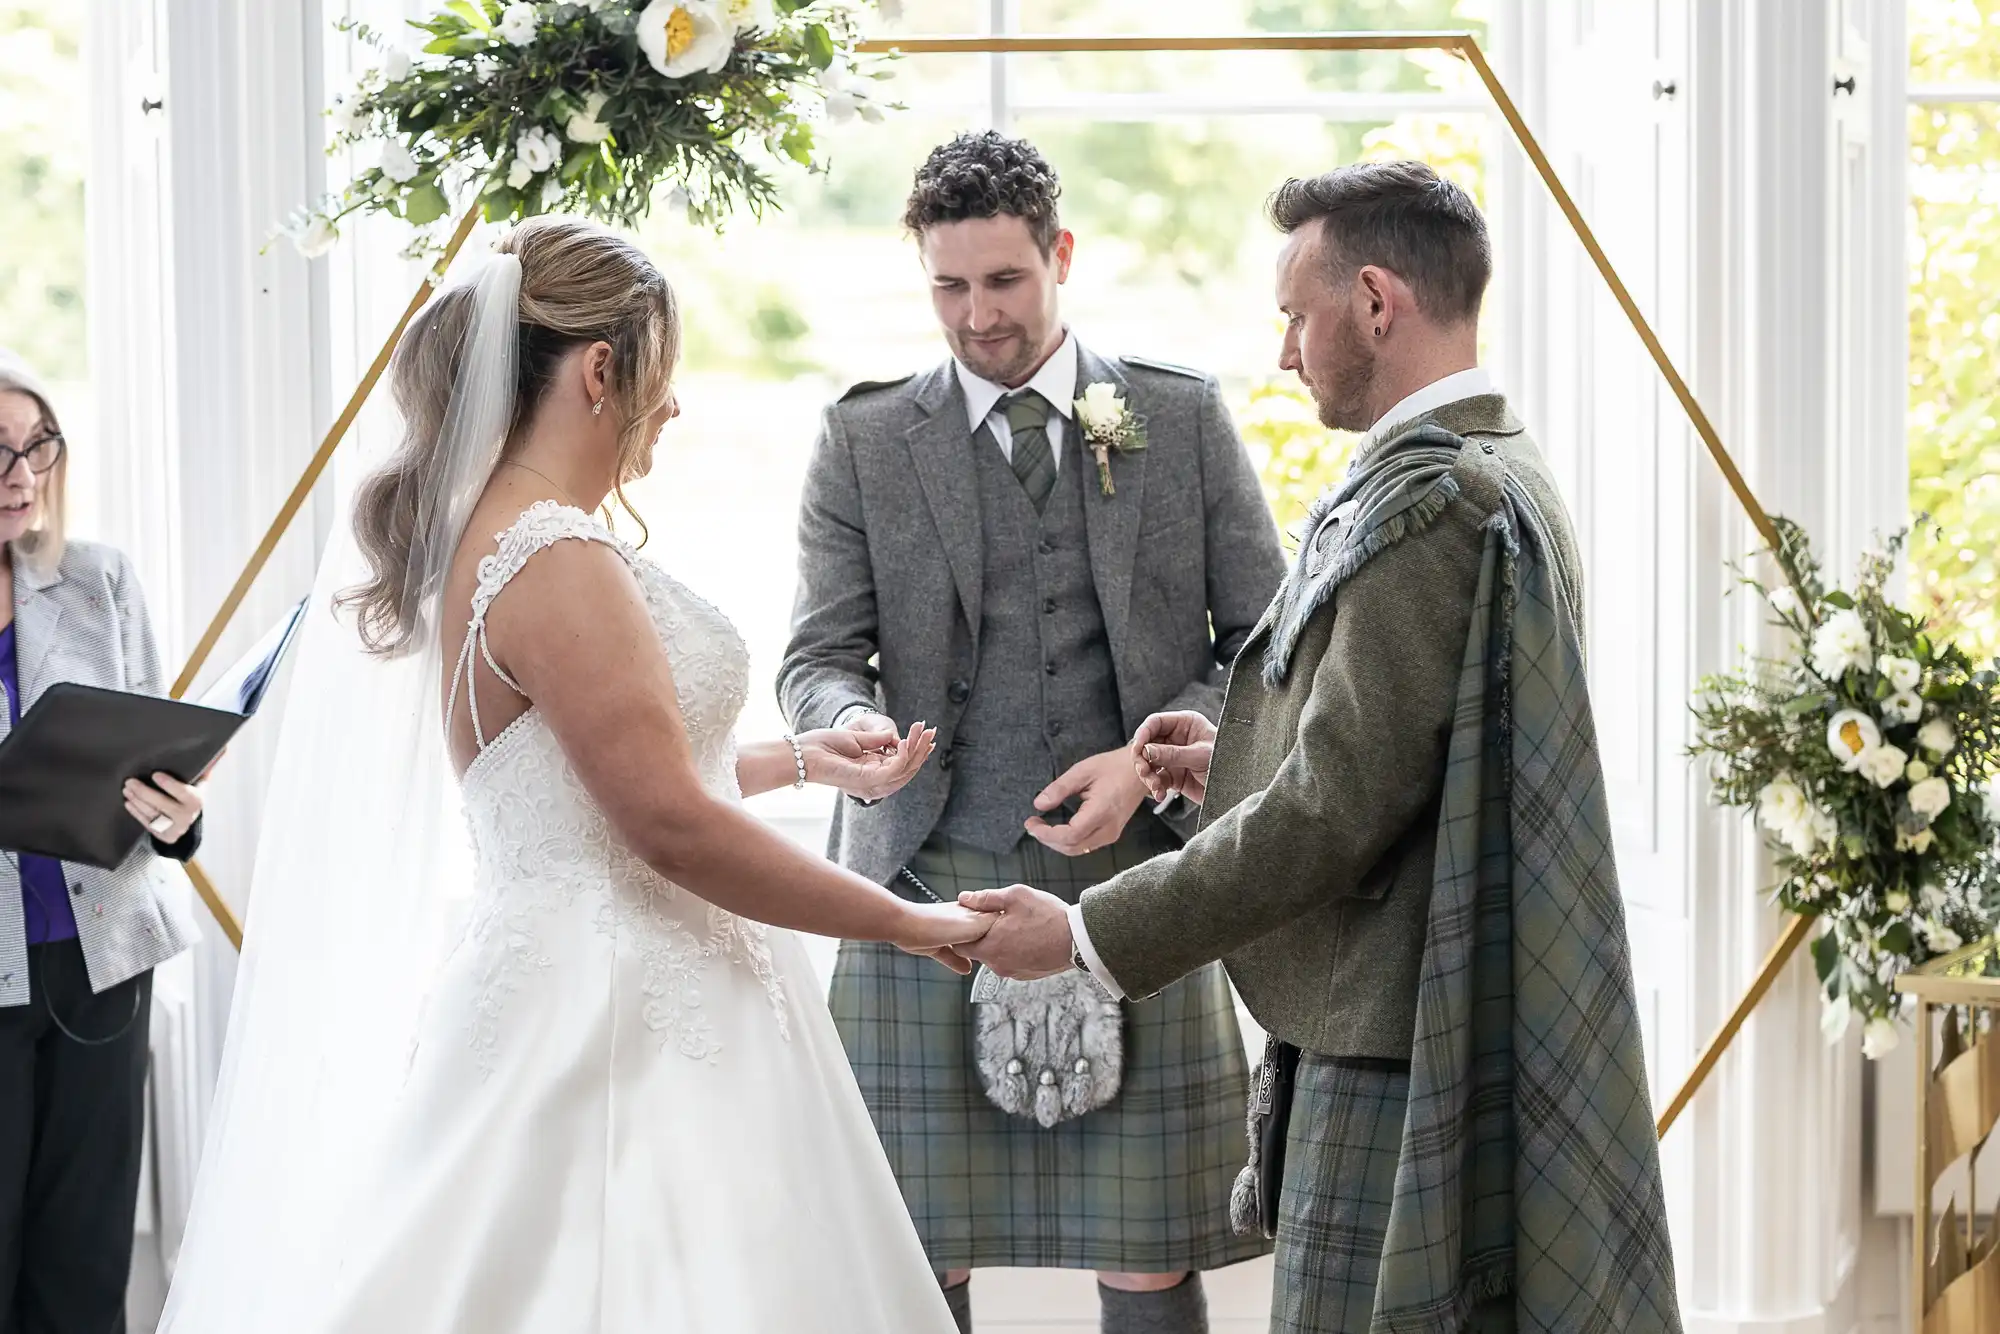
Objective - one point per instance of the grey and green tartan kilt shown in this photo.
(1138, 1186)
(1342, 1145)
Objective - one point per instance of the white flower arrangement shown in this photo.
(1869, 759)
(598, 106)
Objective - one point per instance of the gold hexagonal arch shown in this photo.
(1461, 44)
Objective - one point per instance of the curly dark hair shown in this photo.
(1404, 217)
(984, 175)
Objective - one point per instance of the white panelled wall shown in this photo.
(1754, 208)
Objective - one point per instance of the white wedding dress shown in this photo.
(627, 1111)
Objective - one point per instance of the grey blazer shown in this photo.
(1185, 558)
(85, 621)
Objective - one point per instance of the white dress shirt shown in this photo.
(1055, 381)
(1459, 385)
(1469, 383)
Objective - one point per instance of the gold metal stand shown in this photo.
(1954, 1266)
(1461, 44)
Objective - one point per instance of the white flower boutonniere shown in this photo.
(1108, 423)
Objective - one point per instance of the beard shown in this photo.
(1341, 394)
(999, 363)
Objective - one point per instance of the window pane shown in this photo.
(1954, 41)
(1954, 405)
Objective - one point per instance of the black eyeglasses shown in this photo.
(40, 454)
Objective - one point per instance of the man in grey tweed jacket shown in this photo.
(965, 559)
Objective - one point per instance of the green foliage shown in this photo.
(1868, 752)
(42, 161)
(1954, 402)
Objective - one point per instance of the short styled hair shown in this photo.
(1400, 216)
(983, 175)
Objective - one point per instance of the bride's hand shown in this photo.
(939, 929)
(866, 762)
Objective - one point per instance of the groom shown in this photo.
(1404, 856)
(967, 558)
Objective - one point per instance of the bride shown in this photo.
(568, 1081)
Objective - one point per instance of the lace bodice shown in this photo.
(544, 847)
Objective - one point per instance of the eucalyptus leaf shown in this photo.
(426, 204)
(471, 13)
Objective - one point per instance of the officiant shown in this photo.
(77, 944)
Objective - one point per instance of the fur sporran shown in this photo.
(1048, 1050)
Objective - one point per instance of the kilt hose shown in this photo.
(1138, 1186)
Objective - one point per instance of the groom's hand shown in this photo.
(1110, 792)
(1029, 939)
(1171, 755)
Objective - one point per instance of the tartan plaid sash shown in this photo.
(1529, 1161)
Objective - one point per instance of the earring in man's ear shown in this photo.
(597, 408)
(1378, 331)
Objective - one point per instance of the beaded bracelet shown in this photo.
(798, 758)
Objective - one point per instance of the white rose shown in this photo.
(1905, 706)
(552, 193)
(684, 37)
(345, 115)
(1879, 1039)
(1850, 735)
(1919, 842)
(1784, 601)
(539, 149)
(585, 127)
(396, 65)
(1782, 805)
(1883, 766)
(519, 23)
(1834, 1019)
(1101, 409)
(1929, 798)
(1938, 737)
(1896, 901)
(315, 236)
(1903, 673)
(1826, 829)
(1941, 938)
(519, 175)
(1842, 643)
(396, 162)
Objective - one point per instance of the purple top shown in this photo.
(44, 895)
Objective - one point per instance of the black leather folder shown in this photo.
(63, 769)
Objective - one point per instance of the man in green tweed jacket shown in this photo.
(1404, 859)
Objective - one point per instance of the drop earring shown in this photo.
(597, 408)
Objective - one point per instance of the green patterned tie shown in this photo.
(1034, 462)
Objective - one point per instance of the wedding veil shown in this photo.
(362, 875)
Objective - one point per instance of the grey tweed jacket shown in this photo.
(1185, 557)
(85, 621)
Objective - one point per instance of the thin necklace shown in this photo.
(550, 480)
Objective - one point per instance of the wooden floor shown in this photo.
(1054, 1301)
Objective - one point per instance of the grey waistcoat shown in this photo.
(1046, 694)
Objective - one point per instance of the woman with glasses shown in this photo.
(77, 944)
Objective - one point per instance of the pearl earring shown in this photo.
(597, 408)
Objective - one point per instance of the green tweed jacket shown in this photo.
(1311, 875)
